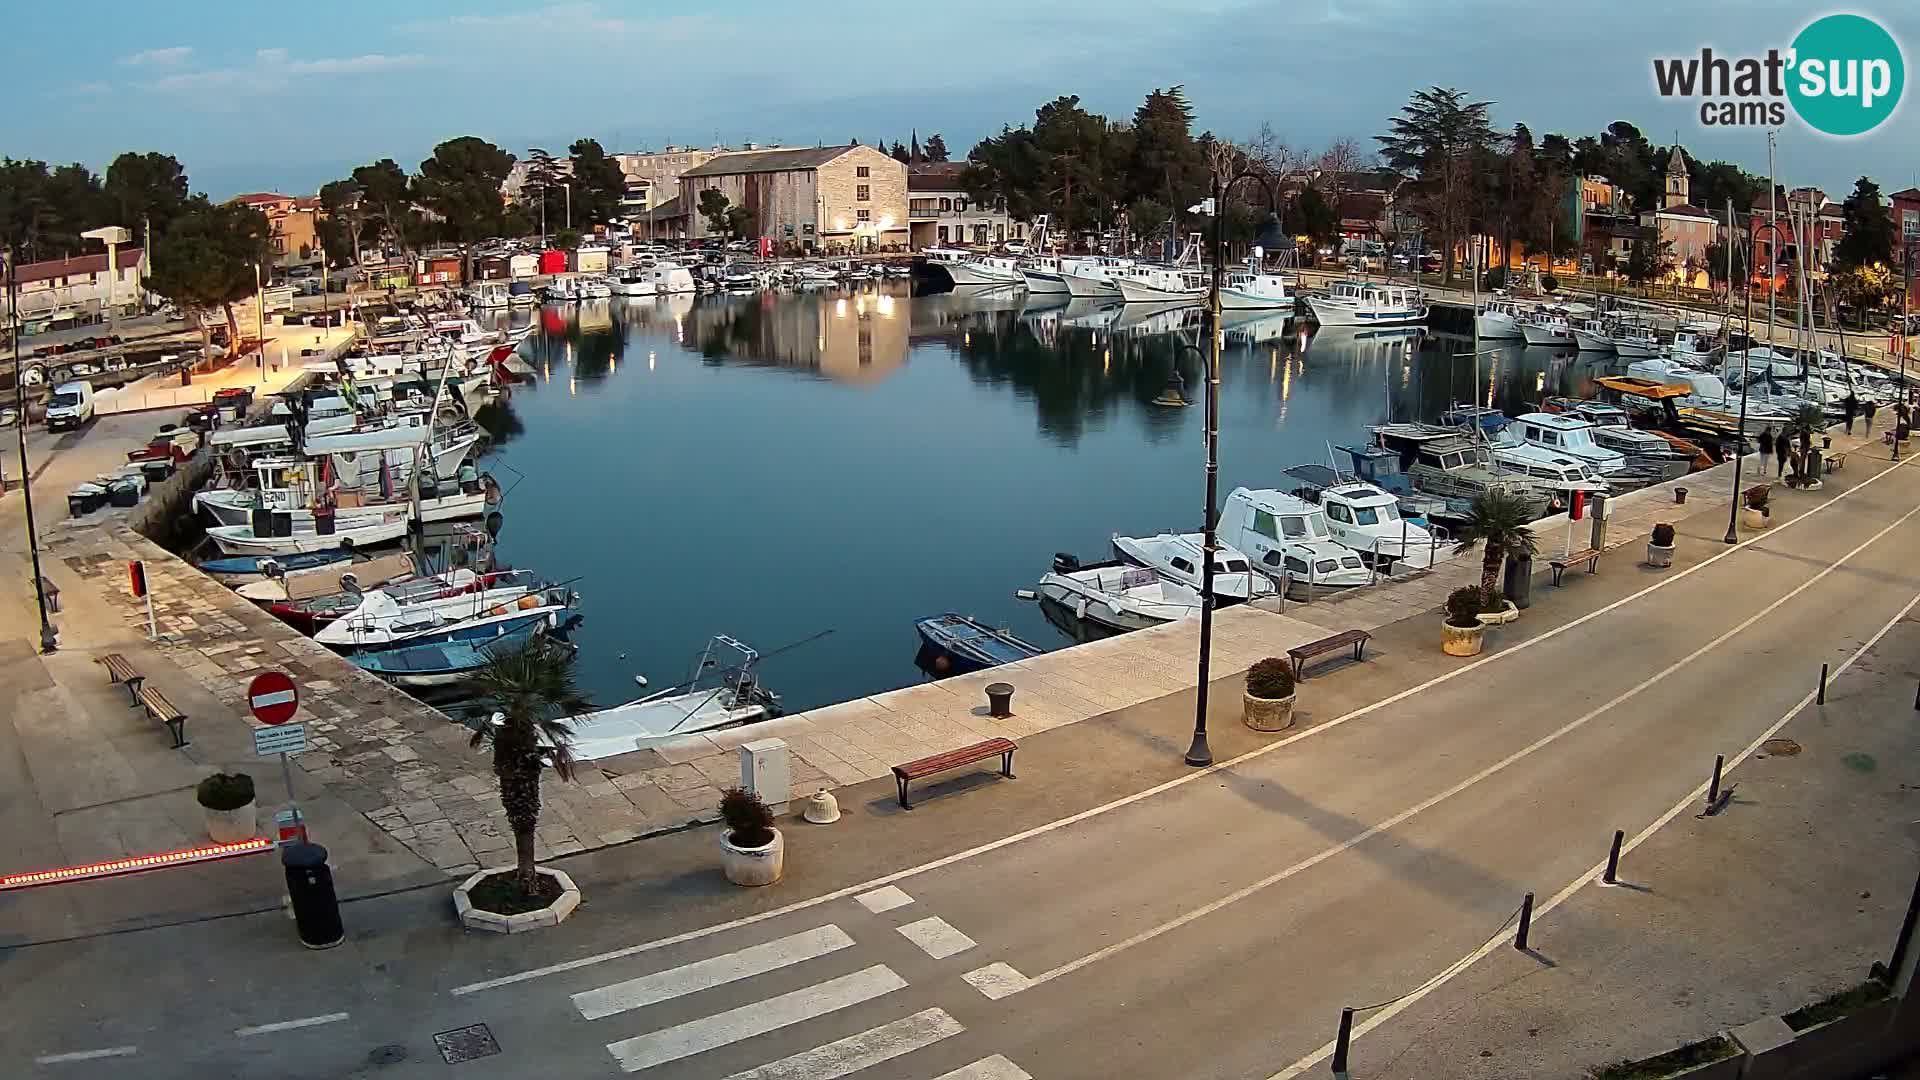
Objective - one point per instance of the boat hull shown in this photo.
(973, 274)
(1328, 313)
(1040, 283)
(1545, 335)
(239, 540)
(1235, 300)
(1099, 610)
(1089, 288)
(1135, 291)
(1497, 327)
(1592, 342)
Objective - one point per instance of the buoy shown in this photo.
(1025, 594)
(822, 808)
(638, 680)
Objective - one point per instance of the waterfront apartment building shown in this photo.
(72, 289)
(1689, 230)
(293, 227)
(826, 198)
(941, 213)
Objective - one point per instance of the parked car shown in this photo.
(71, 405)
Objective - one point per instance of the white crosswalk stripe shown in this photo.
(705, 974)
(988, 1068)
(936, 937)
(843, 1057)
(747, 1021)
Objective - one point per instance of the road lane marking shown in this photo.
(843, 1057)
(289, 1025)
(884, 899)
(86, 1055)
(1694, 799)
(758, 1018)
(988, 1068)
(936, 937)
(996, 981)
(1185, 778)
(706, 974)
(1431, 801)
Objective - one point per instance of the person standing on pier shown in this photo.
(1766, 446)
(1850, 409)
(1783, 446)
(1867, 412)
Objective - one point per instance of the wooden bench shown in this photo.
(1303, 653)
(1589, 556)
(164, 711)
(120, 671)
(1834, 462)
(953, 759)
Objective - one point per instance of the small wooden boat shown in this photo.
(956, 644)
(444, 663)
(241, 540)
(241, 569)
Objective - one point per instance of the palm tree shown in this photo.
(1497, 519)
(533, 689)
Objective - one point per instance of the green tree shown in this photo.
(1166, 162)
(147, 189)
(1497, 522)
(598, 185)
(1311, 217)
(899, 153)
(43, 211)
(935, 148)
(533, 689)
(1866, 288)
(461, 183)
(1648, 261)
(566, 239)
(1716, 263)
(213, 256)
(343, 221)
(1438, 139)
(713, 205)
(386, 204)
(1867, 236)
(739, 222)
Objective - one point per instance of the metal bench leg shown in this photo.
(1593, 566)
(904, 804)
(1006, 765)
(133, 690)
(1296, 669)
(178, 729)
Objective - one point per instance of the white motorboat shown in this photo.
(1500, 319)
(1288, 541)
(816, 274)
(1248, 290)
(1045, 275)
(733, 698)
(1695, 343)
(1613, 429)
(1364, 303)
(1092, 278)
(1549, 470)
(397, 612)
(240, 539)
(561, 290)
(489, 296)
(634, 279)
(1552, 326)
(1570, 435)
(1117, 595)
(280, 586)
(1161, 285)
(1177, 557)
(595, 288)
(1635, 339)
(235, 506)
(365, 456)
(974, 268)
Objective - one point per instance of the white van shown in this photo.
(71, 406)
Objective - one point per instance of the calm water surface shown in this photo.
(772, 466)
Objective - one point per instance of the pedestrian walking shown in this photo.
(1867, 412)
(1766, 446)
(1783, 446)
(1850, 409)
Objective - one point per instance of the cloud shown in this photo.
(168, 57)
(574, 21)
(273, 69)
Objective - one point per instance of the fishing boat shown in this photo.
(1671, 456)
(419, 667)
(1442, 463)
(1177, 557)
(241, 569)
(1552, 326)
(1092, 278)
(1570, 435)
(242, 540)
(1695, 343)
(1499, 319)
(1287, 540)
(1246, 290)
(976, 268)
(1116, 595)
(953, 644)
(1593, 335)
(1045, 275)
(1364, 303)
(561, 290)
(399, 612)
(723, 691)
(282, 586)
(1371, 520)
(1162, 284)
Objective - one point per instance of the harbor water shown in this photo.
(777, 465)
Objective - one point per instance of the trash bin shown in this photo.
(316, 911)
(1517, 581)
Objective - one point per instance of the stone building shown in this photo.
(942, 214)
(828, 198)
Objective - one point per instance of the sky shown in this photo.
(286, 97)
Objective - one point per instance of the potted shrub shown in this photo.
(1498, 520)
(1462, 634)
(1660, 547)
(1268, 704)
(228, 801)
(1754, 511)
(752, 851)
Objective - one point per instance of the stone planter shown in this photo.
(1659, 557)
(761, 865)
(231, 826)
(1461, 640)
(1754, 519)
(553, 914)
(1502, 617)
(1266, 714)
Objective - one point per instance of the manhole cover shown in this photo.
(466, 1044)
(390, 1054)
(1780, 747)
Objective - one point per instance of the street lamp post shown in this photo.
(48, 640)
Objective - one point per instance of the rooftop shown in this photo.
(84, 264)
(935, 175)
(763, 161)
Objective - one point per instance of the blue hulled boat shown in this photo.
(241, 569)
(443, 663)
(956, 644)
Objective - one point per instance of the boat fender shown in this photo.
(1025, 594)
(1080, 609)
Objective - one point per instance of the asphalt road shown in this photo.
(1212, 927)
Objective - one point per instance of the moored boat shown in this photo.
(954, 644)
(1117, 595)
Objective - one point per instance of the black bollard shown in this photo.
(1613, 857)
(1340, 1043)
(1713, 789)
(1916, 698)
(1526, 922)
(316, 911)
(1821, 697)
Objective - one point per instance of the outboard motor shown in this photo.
(1064, 563)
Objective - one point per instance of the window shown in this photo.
(1182, 565)
(1294, 527)
(862, 215)
(863, 193)
(1339, 513)
(1298, 566)
(1327, 566)
(862, 170)
(1233, 566)
(943, 234)
(946, 204)
(1263, 524)
(1910, 223)
(1365, 515)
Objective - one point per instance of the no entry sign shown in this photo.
(273, 697)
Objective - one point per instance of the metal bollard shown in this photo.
(1613, 858)
(1341, 1043)
(316, 911)
(1821, 697)
(1526, 923)
(1916, 697)
(1713, 789)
